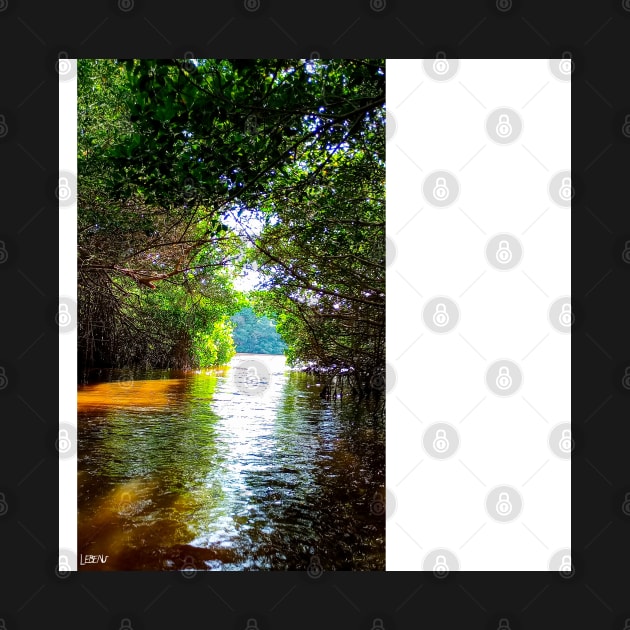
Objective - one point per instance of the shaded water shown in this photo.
(194, 471)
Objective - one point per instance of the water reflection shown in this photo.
(181, 470)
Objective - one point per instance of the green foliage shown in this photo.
(323, 260)
(190, 170)
(217, 346)
(256, 335)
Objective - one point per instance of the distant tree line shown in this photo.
(256, 335)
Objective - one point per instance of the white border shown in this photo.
(68, 340)
(503, 441)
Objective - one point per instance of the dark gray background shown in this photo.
(34, 34)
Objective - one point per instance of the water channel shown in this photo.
(194, 471)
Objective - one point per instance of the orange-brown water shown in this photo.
(196, 471)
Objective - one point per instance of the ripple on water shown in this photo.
(186, 467)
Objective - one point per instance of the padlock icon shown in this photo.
(4, 254)
(188, 64)
(625, 129)
(440, 317)
(4, 128)
(440, 64)
(504, 127)
(504, 505)
(125, 501)
(3, 625)
(566, 189)
(504, 624)
(441, 443)
(377, 506)
(625, 381)
(63, 441)
(63, 316)
(63, 564)
(188, 568)
(125, 624)
(440, 190)
(315, 568)
(63, 63)
(4, 506)
(251, 125)
(64, 192)
(504, 253)
(566, 64)
(440, 567)
(252, 379)
(504, 379)
(625, 255)
(4, 379)
(377, 624)
(625, 506)
(566, 441)
(566, 316)
(626, 625)
(566, 566)
(252, 624)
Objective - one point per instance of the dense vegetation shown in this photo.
(193, 172)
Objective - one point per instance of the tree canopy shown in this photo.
(193, 172)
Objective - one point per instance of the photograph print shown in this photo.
(231, 306)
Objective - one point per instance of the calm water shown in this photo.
(194, 471)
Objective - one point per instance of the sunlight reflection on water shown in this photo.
(196, 468)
